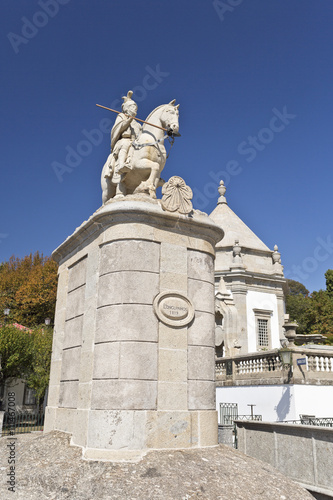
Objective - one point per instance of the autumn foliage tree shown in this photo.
(28, 287)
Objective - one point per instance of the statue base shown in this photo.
(133, 362)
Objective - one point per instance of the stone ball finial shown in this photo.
(222, 189)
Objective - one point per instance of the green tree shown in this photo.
(26, 355)
(297, 304)
(41, 360)
(319, 317)
(314, 312)
(15, 354)
(297, 307)
(28, 287)
(329, 282)
(296, 288)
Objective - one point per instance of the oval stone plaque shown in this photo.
(173, 308)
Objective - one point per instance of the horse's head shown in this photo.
(170, 118)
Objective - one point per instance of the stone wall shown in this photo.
(302, 452)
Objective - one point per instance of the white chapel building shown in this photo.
(250, 325)
(249, 282)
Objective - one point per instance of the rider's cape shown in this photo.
(119, 127)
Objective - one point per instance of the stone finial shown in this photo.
(237, 257)
(222, 292)
(221, 189)
(237, 261)
(290, 328)
(176, 196)
(224, 295)
(276, 257)
(222, 288)
(237, 249)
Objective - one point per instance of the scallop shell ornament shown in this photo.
(177, 196)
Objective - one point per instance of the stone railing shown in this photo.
(309, 366)
(320, 362)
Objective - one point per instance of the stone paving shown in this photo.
(48, 467)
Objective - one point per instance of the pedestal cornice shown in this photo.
(139, 209)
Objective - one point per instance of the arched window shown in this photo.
(218, 319)
(219, 350)
(219, 342)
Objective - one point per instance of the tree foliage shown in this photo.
(26, 354)
(329, 282)
(296, 288)
(313, 312)
(15, 353)
(297, 307)
(28, 287)
(41, 340)
(319, 317)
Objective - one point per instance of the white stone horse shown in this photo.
(148, 158)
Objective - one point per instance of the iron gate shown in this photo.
(228, 413)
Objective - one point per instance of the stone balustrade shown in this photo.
(265, 367)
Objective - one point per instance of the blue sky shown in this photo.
(254, 83)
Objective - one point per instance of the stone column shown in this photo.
(133, 358)
(239, 292)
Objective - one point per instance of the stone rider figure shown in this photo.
(124, 131)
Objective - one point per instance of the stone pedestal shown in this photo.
(133, 353)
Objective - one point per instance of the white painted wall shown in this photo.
(273, 402)
(279, 402)
(267, 301)
(318, 398)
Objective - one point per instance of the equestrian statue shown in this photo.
(138, 154)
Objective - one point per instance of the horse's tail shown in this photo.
(108, 167)
(108, 188)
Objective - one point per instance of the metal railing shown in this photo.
(310, 420)
(229, 419)
(19, 423)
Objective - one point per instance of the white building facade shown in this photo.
(249, 284)
(250, 314)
